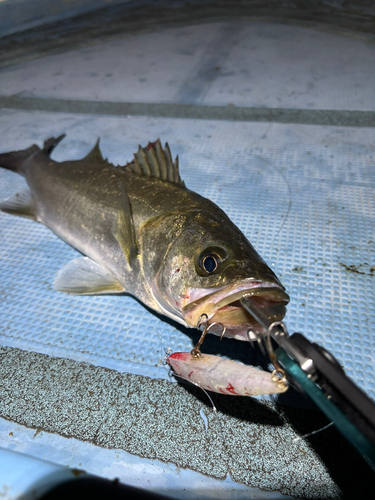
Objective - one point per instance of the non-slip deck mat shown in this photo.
(255, 442)
(303, 195)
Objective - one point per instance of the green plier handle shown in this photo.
(315, 371)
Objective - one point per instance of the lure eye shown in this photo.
(210, 263)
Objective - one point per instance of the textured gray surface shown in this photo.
(162, 477)
(334, 16)
(18, 15)
(335, 117)
(254, 65)
(160, 420)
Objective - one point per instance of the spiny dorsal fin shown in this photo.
(95, 155)
(155, 162)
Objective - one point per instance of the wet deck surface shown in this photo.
(301, 191)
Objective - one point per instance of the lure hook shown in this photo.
(258, 338)
(224, 330)
(201, 321)
(196, 352)
(278, 374)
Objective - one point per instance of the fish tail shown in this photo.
(14, 160)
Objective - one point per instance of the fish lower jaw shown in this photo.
(238, 323)
(223, 306)
(248, 330)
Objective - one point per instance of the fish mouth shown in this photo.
(223, 306)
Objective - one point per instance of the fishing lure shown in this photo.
(224, 376)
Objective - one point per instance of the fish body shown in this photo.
(224, 376)
(143, 232)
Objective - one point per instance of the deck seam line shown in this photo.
(346, 118)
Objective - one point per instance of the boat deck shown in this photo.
(272, 121)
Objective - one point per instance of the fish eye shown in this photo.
(210, 259)
(210, 263)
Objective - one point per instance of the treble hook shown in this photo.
(223, 332)
(196, 352)
(258, 338)
(200, 320)
(248, 333)
(278, 374)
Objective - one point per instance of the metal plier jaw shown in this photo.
(315, 371)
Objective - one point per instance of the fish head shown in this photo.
(209, 265)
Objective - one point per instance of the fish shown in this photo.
(224, 376)
(141, 231)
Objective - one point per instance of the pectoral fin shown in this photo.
(21, 204)
(83, 276)
(125, 234)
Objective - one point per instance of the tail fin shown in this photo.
(14, 160)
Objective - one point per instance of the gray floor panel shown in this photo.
(255, 64)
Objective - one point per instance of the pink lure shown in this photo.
(224, 376)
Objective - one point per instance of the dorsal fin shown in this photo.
(50, 144)
(155, 162)
(95, 154)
